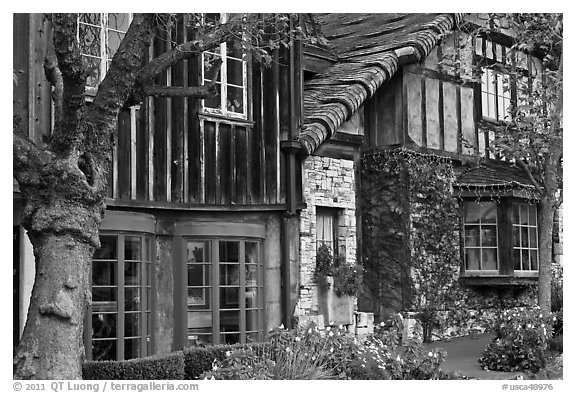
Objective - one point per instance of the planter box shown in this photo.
(337, 310)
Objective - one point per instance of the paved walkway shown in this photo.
(463, 355)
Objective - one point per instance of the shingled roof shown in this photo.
(493, 173)
(370, 49)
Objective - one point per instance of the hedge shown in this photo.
(198, 360)
(169, 366)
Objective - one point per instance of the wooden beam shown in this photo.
(179, 91)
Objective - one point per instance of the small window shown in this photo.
(496, 95)
(326, 224)
(231, 97)
(481, 236)
(99, 36)
(119, 324)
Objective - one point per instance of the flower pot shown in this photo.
(337, 310)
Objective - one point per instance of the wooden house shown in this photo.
(217, 207)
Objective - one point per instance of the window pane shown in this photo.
(253, 337)
(200, 336)
(472, 259)
(489, 259)
(251, 296)
(252, 320)
(229, 321)
(525, 260)
(132, 324)
(132, 299)
(533, 243)
(214, 102)
(235, 100)
(104, 273)
(90, 18)
(484, 212)
(104, 299)
(90, 39)
(119, 22)
(489, 236)
(92, 66)
(107, 248)
(104, 326)
(229, 338)
(472, 236)
(104, 350)
(234, 72)
(485, 111)
(229, 251)
(524, 234)
(198, 275)
(532, 215)
(533, 260)
(132, 248)
(198, 251)
(229, 298)
(210, 63)
(516, 237)
(524, 214)
(200, 321)
(132, 348)
(199, 297)
(516, 259)
(229, 274)
(132, 273)
(251, 275)
(251, 252)
(114, 39)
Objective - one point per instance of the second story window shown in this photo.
(231, 97)
(505, 74)
(99, 36)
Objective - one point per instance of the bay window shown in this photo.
(119, 321)
(500, 238)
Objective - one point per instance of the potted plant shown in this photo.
(339, 283)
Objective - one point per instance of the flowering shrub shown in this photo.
(521, 340)
(311, 353)
(347, 279)
(302, 353)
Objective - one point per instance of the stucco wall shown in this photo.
(327, 182)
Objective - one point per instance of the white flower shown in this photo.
(331, 350)
(381, 323)
(429, 353)
(330, 334)
(297, 339)
(328, 328)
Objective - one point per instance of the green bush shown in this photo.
(521, 341)
(198, 360)
(169, 366)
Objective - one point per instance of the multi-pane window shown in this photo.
(506, 76)
(99, 36)
(496, 95)
(500, 238)
(525, 237)
(481, 236)
(231, 92)
(119, 324)
(224, 291)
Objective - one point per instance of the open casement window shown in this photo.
(224, 291)
(500, 239)
(231, 84)
(118, 325)
(99, 36)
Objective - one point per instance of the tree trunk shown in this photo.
(52, 343)
(545, 224)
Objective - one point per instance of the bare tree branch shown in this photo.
(54, 76)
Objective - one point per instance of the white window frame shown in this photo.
(223, 84)
(104, 59)
(517, 226)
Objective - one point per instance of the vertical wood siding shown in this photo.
(166, 150)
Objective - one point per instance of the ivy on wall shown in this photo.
(411, 244)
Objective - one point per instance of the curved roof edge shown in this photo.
(333, 96)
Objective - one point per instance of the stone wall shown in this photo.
(327, 182)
